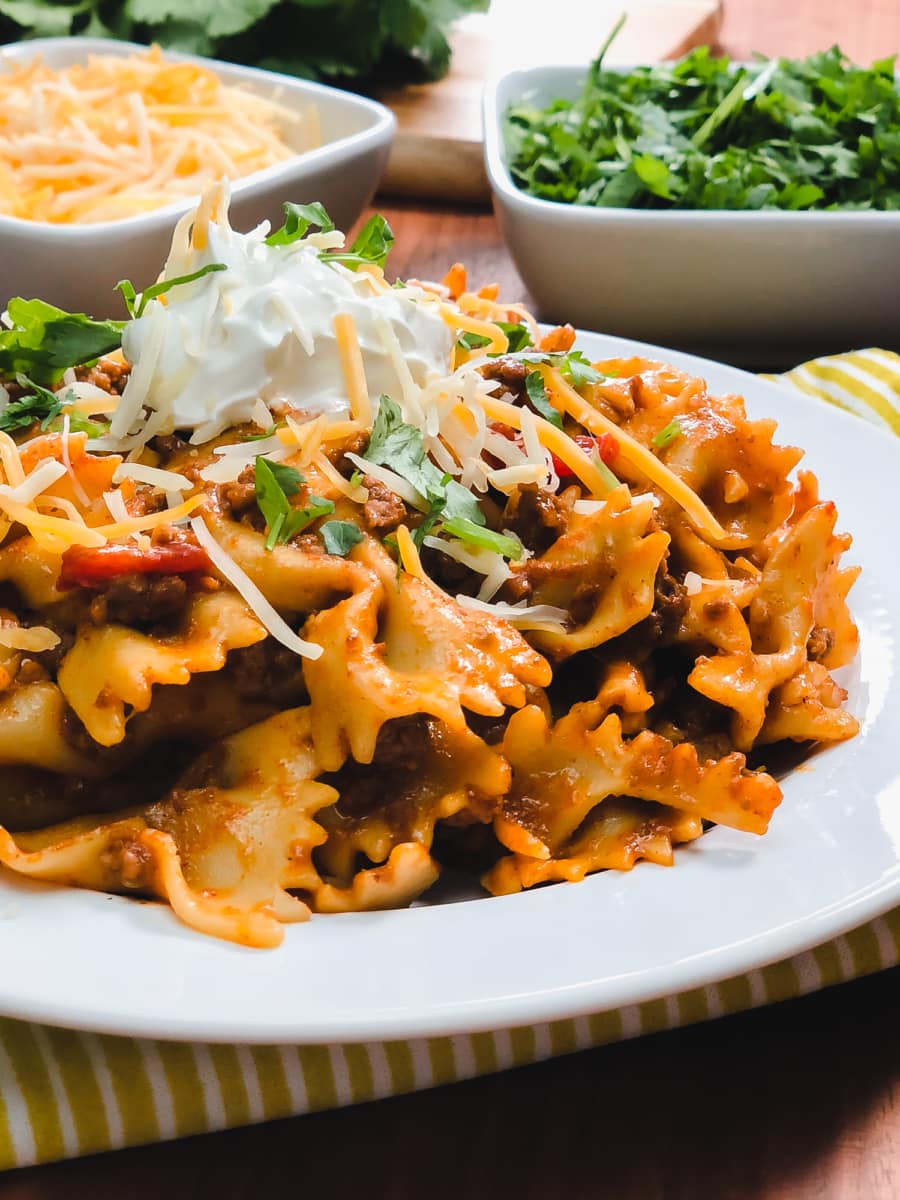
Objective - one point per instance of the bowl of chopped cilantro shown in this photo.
(748, 209)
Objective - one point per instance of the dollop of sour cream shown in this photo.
(263, 328)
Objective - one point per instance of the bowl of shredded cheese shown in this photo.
(103, 143)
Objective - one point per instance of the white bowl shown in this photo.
(77, 266)
(757, 287)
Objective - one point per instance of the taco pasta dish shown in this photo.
(312, 586)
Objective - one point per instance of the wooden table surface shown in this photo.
(797, 1101)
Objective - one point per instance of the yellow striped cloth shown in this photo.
(63, 1094)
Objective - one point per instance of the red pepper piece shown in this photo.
(603, 444)
(85, 566)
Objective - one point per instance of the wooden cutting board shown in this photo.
(437, 154)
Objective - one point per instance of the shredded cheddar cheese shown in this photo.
(637, 454)
(119, 136)
(409, 553)
(353, 368)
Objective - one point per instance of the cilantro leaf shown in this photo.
(339, 537)
(400, 447)
(298, 219)
(44, 341)
(577, 368)
(275, 482)
(537, 394)
(518, 334)
(136, 306)
(473, 341)
(372, 245)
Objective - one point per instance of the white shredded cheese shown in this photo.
(537, 616)
(693, 584)
(166, 481)
(246, 588)
(44, 475)
(390, 479)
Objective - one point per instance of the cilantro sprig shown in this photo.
(136, 301)
(706, 133)
(400, 447)
(39, 404)
(44, 341)
(274, 484)
(371, 245)
(339, 537)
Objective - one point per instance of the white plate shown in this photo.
(732, 902)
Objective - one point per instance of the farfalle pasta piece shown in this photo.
(223, 848)
(409, 871)
(729, 461)
(32, 720)
(616, 834)
(111, 668)
(401, 646)
(781, 619)
(293, 578)
(561, 773)
(602, 569)
(808, 708)
(424, 772)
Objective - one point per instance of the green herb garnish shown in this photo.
(706, 133)
(437, 502)
(44, 341)
(339, 537)
(274, 484)
(537, 394)
(372, 245)
(400, 447)
(136, 302)
(298, 219)
(667, 434)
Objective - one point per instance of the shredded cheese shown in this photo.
(166, 516)
(119, 136)
(538, 616)
(498, 342)
(352, 366)
(359, 493)
(44, 475)
(166, 481)
(636, 453)
(390, 479)
(555, 440)
(409, 553)
(247, 589)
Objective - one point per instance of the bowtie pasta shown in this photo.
(527, 616)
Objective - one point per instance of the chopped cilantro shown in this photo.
(298, 219)
(43, 341)
(437, 502)
(36, 404)
(136, 302)
(400, 447)
(537, 394)
(519, 336)
(339, 537)
(372, 245)
(473, 341)
(274, 484)
(667, 435)
(706, 133)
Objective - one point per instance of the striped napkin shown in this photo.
(63, 1094)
